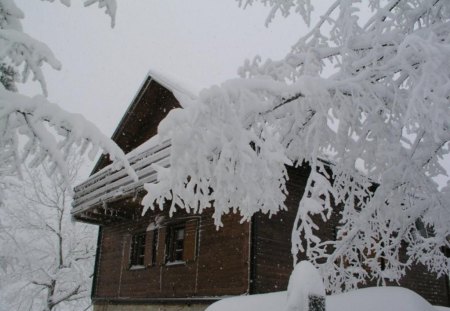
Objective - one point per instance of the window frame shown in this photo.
(175, 253)
(137, 250)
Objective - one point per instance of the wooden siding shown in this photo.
(428, 285)
(418, 279)
(271, 249)
(435, 290)
(190, 242)
(271, 238)
(217, 262)
(216, 265)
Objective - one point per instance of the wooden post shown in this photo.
(316, 303)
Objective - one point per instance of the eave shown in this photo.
(92, 198)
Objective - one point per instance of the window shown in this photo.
(175, 245)
(137, 249)
(177, 242)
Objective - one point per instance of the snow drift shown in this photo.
(367, 299)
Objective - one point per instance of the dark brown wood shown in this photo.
(272, 259)
(140, 121)
(161, 253)
(221, 267)
(149, 248)
(190, 241)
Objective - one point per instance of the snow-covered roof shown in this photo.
(367, 299)
(173, 84)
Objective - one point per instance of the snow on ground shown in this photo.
(367, 299)
(263, 302)
(379, 298)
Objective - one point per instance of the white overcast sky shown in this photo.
(201, 42)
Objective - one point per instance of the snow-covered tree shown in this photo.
(32, 128)
(46, 260)
(371, 96)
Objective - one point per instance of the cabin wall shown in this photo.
(271, 249)
(418, 279)
(149, 307)
(271, 238)
(218, 267)
(435, 290)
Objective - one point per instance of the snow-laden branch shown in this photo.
(49, 133)
(21, 49)
(381, 119)
(302, 7)
(33, 129)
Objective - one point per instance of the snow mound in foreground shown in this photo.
(305, 280)
(367, 299)
(379, 299)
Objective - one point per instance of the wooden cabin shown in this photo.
(157, 262)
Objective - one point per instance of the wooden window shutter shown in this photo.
(148, 248)
(126, 251)
(190, 240)
(161, 256)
